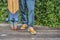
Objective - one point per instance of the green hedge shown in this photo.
(3, 10)
(47, 12)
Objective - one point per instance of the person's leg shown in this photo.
(16, 16)
(30, 6)
(16, 19)
(22, 4)
(10, 19)
(13, 20)
(10, 16)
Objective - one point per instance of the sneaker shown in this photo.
(31, 30)
(24, 26)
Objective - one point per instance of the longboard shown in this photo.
(13, 6)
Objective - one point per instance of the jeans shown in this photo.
(15, 16)
(30, 6)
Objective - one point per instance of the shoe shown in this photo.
(24, 26)
(31, 30)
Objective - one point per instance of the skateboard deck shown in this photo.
(13, 6)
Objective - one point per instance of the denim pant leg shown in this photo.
(22, 4)
(10, 16)
(15, 16)
(30, 6)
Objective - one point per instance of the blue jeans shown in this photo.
(15, 16)
(30, 6)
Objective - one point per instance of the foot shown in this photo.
(13, 27)
(24, 26)
(31, 30)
